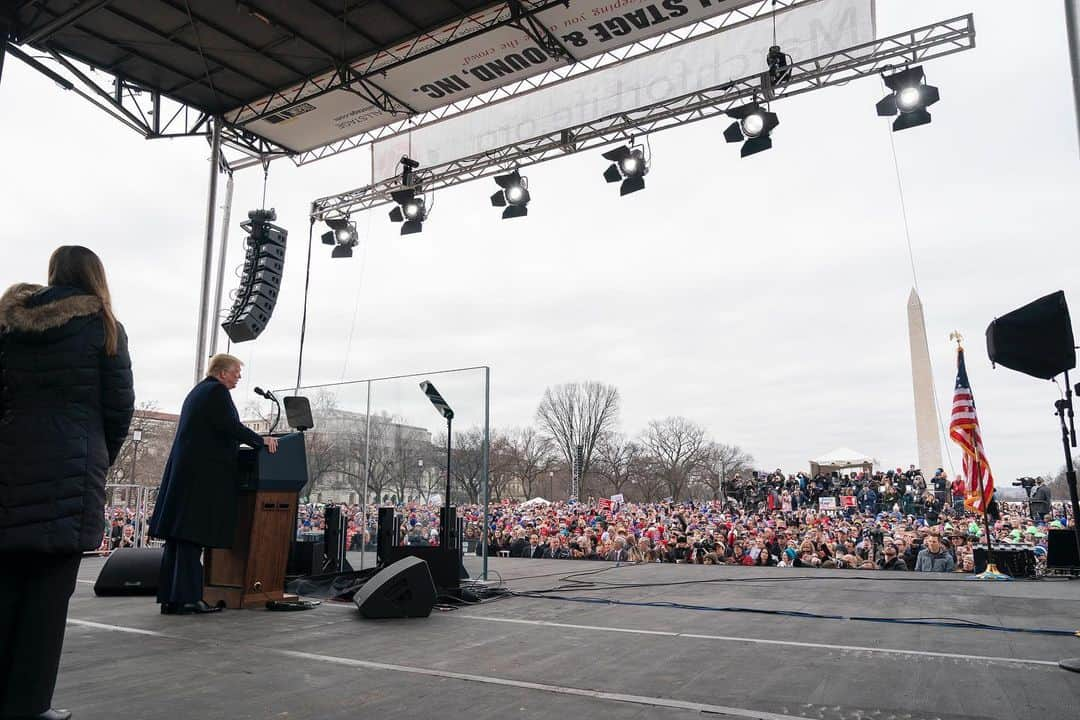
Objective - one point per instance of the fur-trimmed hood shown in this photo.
(20, 312)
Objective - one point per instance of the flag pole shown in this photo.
(991, 572)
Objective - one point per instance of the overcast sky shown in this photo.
(764, 298)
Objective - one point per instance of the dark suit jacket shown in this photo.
(198, 495)
(518, 547)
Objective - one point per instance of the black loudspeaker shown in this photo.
(404, 589)
(1036, 339)
(444, 564)
(130, 571)
(1061, 550)
(264, 262)
(1016, 561)
(306, 557)
(385, 536)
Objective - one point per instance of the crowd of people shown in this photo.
(892, 521)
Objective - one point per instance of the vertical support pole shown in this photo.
(226, 216)
(367, 470)
(484, 467)
(208, 250)
(1072, 25)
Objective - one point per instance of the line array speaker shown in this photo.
(260, 280)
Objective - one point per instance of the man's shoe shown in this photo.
(168, 608)
(196, 608)
(50, 714)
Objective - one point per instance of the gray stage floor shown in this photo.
(542, 658)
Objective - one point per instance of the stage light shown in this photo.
(513, 195)
(628, 164)
(342, 235)
(753, 125)
(411, 210)
(909, 98)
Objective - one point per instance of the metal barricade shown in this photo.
(135, 503)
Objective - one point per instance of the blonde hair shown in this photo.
(78, 267)
(222, 362)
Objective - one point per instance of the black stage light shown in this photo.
(629, 164)
(342, 234)
(514, 195)
(411, 210)
(752, 124)
(1036, 339)
(779, 64)
(909, 98)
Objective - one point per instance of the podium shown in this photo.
(252, 571)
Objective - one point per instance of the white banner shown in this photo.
(501, 56)
(803, 33)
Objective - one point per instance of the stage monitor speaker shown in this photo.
(1036, 339)
(130, 571)
(1061, 550)
(1016, 561)
(404, 589)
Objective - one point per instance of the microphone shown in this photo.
(264, 393)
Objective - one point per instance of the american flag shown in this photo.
(964, 431)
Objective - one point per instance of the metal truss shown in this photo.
(365, 73)
(146, 111)
(695, 31)
(907, 48)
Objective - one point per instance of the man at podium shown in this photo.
(196, 505)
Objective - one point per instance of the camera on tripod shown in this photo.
(1025, 482)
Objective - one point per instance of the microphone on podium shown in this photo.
(270, 396)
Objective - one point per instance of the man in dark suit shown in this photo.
(534, 549)
(196, 505)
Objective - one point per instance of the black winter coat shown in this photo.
(65, 408)
(198, 495)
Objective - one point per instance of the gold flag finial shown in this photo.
(955, 335)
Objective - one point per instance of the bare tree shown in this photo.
(533, 457)
(719, 464)
(648, 483)
(618, 461)
(467, 464)
(577, 415)
(676, 446)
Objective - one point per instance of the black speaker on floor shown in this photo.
(1036, 339)
(404, 589)
(1061, 550)
(1016, 561)
(305, 557)
(130, 571)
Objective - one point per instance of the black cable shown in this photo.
(303, 322)
(936, 622)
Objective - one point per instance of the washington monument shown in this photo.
(922, 384)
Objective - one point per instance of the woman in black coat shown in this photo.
(66, 401)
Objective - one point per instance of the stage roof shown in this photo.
(292, 76)
(217, 55)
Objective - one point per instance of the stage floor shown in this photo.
(543, 658)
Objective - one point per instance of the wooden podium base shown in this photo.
(252, 571)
